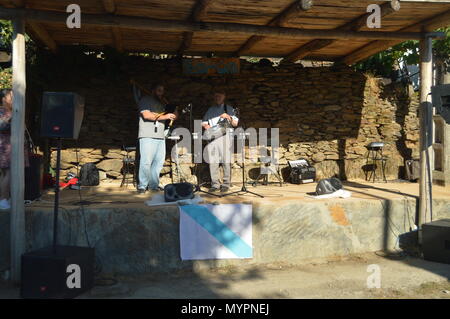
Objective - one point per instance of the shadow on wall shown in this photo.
(326, 115)
(139, 243)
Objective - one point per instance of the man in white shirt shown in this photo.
(219, 150)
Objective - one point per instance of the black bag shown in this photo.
(89, 175)
(329, 186)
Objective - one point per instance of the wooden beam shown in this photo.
(41, 34)
(118, 39)
(38, 30)
(18, 3)
(359, 23)
(291, 12)
(17, 149)
(139, 23)
(199, 12)
(187, 42)
(308, 48)
(110, 6)
(354, 25)
(438, 21)
(279, 21)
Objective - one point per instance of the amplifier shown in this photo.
(181, 191)
(436, 241)
(64, 272)
(302, 172)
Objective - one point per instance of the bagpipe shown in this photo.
(138, 91)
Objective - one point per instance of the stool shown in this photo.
(375, 158)
(267, 168)
(129, 167)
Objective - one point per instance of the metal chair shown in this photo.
(375, 157)
(129, 167)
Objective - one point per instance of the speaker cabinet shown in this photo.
(65, 272)
(441, 100)
(62, 115)
(176, 192)
(34, 178)
(436, 241)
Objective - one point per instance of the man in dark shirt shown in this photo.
(152, 141)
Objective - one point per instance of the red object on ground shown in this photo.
(73, 181)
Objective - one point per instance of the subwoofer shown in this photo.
(57, 272)
(181, 191)
(62, 115)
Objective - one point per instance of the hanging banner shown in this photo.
(211, 66)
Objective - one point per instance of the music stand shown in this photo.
(244, 189)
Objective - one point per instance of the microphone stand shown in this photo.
(196, 165)
(244, 189)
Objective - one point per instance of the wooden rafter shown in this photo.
(354, 25)
(142, 23)
(279, 21)
(376, 46)
(38, 30)
(42, 35)
(199, 12)
(110, 7)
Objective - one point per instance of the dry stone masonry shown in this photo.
(327, 115)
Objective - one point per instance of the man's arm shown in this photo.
(150, 116)
(205, 123)
(145, 108)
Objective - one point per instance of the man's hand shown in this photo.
(169, 117)
(206, 126)
(226, 116)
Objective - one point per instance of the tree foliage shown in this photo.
(382, 64)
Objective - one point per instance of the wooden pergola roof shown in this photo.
(266, 28)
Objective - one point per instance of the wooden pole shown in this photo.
(426, 125)
(17, 150)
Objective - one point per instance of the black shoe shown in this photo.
(213, 190)
(141, 191)
(224, 189)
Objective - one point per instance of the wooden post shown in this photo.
(426, 126)
(17, 150)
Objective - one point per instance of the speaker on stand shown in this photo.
(58, 271)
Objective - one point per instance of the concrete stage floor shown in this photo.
(288, 227)
(112, 194)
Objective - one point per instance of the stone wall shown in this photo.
(326, 114)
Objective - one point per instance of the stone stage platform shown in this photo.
(288, 227)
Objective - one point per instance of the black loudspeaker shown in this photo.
(62, 115)
(436, 241)
(176, 192)
(441, 100)
(56, 273)
(34, 177)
